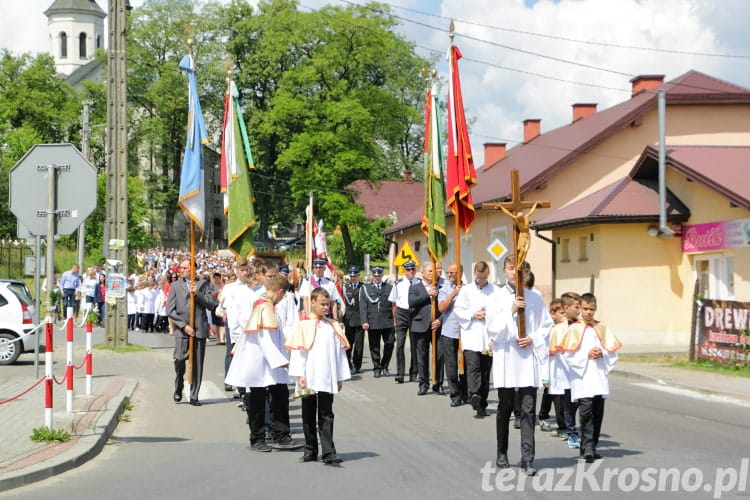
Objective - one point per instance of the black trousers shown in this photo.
(356, 337)
(546, 405)
(402, 326)
(422, 341)
(317, 416)
(439, 361)
(181, 346)
(559, 401)
(591, 412)
(478, 368)
(569, 412)
(256, 412)
(373, 338)
(506, 397)
(456, 383)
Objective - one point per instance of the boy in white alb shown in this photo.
(517, 362)
(590, 350)
(319, 361)
(260, 363)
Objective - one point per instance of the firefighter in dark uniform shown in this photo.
(352, 322)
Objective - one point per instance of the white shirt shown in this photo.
(400, 293)
(588, 377)
(259, 359)
(325, 364)
(471, 299)
(513, 366)
(307, 287)
(238, 301)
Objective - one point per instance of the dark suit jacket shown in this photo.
(420, 305)
(178, 306)
(378, 312)
(351, 300)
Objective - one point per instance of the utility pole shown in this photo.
(85, 151)
(116, 246)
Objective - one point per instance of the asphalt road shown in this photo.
(656, 444)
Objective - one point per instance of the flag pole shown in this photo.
(192, 303)
(308, 249)
(456, 229)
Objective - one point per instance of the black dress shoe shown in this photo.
(399, 380)
(386, 373)
(528, 468)
(332, 459)
(308, 458)
(481, 413)
(376, 374)
(476, 401)
(455, 403)
(422, 392)
(195, 402)
(502, 461)
(412, 378)
(177, 396)
(588, 458)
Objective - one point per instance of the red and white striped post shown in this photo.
(69, 368)
(89, 358)
(48, 345)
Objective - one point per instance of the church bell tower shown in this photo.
(76, 30)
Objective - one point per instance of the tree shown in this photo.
(333, 96)
(35, 107)
(157, 94)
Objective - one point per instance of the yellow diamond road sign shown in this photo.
(497, 249)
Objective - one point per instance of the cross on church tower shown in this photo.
(516, 210)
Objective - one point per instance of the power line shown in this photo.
(544, 56)
(573, 40)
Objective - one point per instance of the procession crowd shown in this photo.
(310, 331)
(281, 326)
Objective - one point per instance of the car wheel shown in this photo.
(9, 350)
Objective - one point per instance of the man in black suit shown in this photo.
(181, 294)
(421, 296)
(352, 322)
(377, 320)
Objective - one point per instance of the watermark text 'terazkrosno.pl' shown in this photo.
(598, 477)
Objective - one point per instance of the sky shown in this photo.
(530, 58)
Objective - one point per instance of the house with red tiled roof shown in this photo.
(393, 199)
(604, 231)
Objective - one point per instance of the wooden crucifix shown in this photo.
(516, 210)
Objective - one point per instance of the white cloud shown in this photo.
(499, 99)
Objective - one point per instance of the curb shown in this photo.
(100, 417)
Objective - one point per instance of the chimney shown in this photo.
(531, 129)
(493, 153)
(408, 178)
(645, 82)
(583, 110)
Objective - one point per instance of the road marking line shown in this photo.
(354, 395)
(679, 391)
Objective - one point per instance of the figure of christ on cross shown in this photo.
(515, 209)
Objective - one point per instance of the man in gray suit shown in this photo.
(421, 296)
(181, 293)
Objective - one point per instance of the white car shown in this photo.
(15, 325)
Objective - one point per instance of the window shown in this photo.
(82, 45)
(565, 250)
(582, 255)
(715, 275)
(63, 45)
(98, 41)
